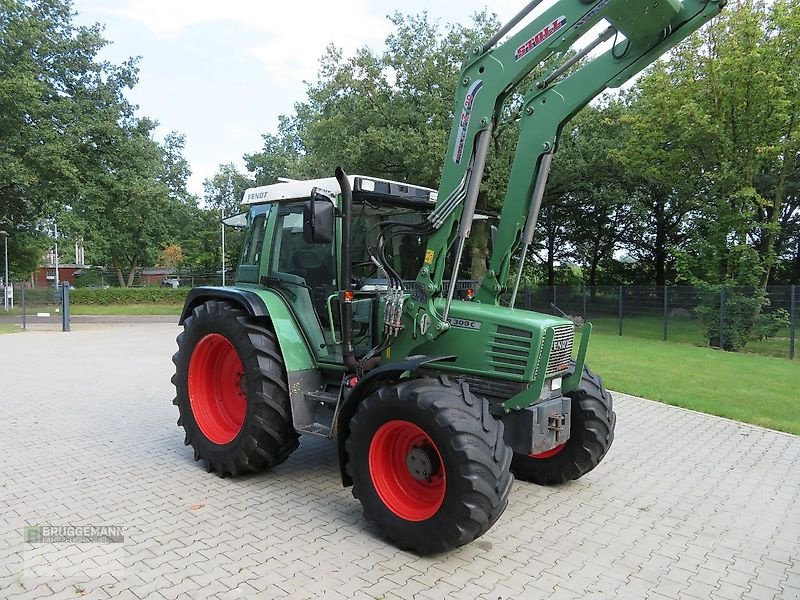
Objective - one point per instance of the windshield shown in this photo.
(404, 249)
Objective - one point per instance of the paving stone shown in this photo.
(685, 505)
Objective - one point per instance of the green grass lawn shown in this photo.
(9, 328)
(105, 309)
(745, 387)
(683, 331)
(126, 309)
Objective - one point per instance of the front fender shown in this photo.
(369, 383)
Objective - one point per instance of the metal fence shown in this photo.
(168, 278)
(716, 316)
(721, 317)
(29, 307)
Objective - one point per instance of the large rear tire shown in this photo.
(429, 464)
(591, 434)
(232, 394)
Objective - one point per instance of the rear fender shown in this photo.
(261, 305)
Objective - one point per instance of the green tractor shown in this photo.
(348, 320)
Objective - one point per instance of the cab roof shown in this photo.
(364, 187)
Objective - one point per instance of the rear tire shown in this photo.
(591, 434)
(232, 394)
(429, 464)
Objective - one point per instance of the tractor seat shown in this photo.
(310, 265)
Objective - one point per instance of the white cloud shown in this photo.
(286, 37)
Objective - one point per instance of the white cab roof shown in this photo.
(290, 190)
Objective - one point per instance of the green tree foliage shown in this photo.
(739, 78)
(73, 152)
(53, 96)
(127, 201)
(386, 114)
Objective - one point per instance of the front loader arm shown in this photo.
(489, 75)
(546, 109)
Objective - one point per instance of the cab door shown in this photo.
(305, 275)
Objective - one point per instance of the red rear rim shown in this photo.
(407, 470)
(549, 453)
(217, 389)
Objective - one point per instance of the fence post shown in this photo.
(583, 314)
(620, 311)
(65, 306)
(666, 313)
(721, 316)
(528, 301)
(24, 308)
(792, 321)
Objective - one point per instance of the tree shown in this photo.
(384, 114)
(741, 76)
(171, 257)
(126, 206)
(224, 191)
(52, 91)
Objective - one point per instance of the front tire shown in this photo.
(591, 434)
(232, 393)
(429, 464)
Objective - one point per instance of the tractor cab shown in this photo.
(294, 246)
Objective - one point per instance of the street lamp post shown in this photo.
(222, 216)
(55, 226)
(5, 278)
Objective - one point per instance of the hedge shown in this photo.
(115, 295)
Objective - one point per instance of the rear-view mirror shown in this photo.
(318, 216)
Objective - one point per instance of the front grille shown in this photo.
(510, 350)
(561, 354)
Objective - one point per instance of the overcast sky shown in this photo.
(221, 72)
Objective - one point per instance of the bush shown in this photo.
(771, 323)
(738, 317)
(89, 278)
(114, 295)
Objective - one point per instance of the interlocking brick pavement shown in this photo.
(684, 506)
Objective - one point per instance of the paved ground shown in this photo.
(684, 506)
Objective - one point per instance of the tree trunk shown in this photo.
(479, 250)
(132, 271)
(118, 271)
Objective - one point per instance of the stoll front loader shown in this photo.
(434, 396)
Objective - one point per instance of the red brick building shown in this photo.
(46, 276)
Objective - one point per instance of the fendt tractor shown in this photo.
(347, 319)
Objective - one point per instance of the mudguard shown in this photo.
(366, 385)
(266, 305)
(248, 301)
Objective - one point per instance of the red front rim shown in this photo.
(395, 453)
(217, 389)
(549, 453)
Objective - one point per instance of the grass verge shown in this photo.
(684, 331)
(126, 309)
(745, 387)
(9, 328)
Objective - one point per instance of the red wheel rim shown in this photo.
(395, 446)
(549, 453)
(216, 389)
